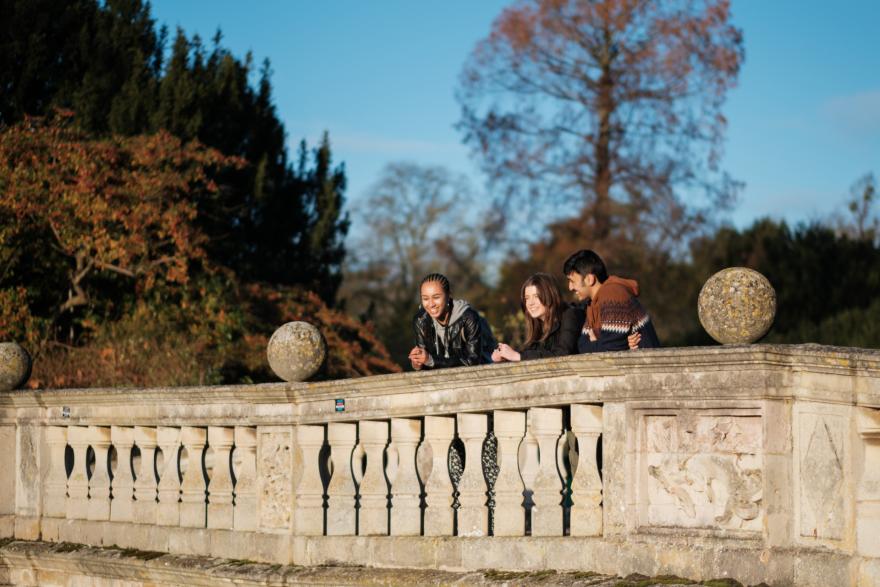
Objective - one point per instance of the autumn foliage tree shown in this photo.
(605, 109)
(161, 233)
(122, 75)
(104, 270)
(123, 206)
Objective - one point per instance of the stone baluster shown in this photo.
(341, 513)
(546, 426)
(868, 490)
(373, 513)
(586, 485)
(220, 515)
(244, 515)
(528, 460)
(122, 505)
(55, 500)
(99, 484)
(145, 484)
(78, 483)
(308, 513)
(473, 515)
(193, 488)
(405, 512)
(168, 512)
(510, 516)
(434, 472)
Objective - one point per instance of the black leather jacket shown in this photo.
(463, 337)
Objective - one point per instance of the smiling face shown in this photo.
(578, 284)
(434, 299)
(532, 301)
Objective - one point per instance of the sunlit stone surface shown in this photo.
(296, 351)
(737, 306)
(15, 366)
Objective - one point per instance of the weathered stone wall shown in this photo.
(760, 463)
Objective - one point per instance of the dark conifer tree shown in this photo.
(271, 221)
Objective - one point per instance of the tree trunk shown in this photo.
(604, 110)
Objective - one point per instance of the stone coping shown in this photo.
(75, 562)
(829, 374)
(35, 563)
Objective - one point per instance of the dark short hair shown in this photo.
(585, 262)
(438, 278)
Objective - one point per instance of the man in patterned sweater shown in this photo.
(615, 320)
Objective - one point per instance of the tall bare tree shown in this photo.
(609, 109)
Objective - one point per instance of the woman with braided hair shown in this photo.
(449, 333)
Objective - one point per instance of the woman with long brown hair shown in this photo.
(552, 326)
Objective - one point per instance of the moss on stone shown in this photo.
(64, 547)
(721, 583)
(144, 555)
(638, 580)
(496, 575)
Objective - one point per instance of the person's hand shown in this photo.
(417, 357)
(507, 353)
(634, 339)
(591, 335)
(496, 356)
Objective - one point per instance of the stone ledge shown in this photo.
(699, 557)
(38, 563)
(805, 357)
(756, 372)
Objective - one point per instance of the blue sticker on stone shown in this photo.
(340, 405)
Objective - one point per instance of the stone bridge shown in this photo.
(758, 463)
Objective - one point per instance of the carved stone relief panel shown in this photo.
(821, 462)
(275, 475)
(701, 469)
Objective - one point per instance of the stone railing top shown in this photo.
(748, 372)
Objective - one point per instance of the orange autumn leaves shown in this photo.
(121, 205)
(106, 275)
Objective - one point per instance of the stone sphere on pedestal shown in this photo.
(296, 351)
(737, 305)
(15, 366)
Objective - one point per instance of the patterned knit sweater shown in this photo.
(614, 314)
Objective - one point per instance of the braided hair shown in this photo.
(438, 278)
(444, 285)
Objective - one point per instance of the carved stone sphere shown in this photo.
(296, 351)
(15, 366)
(737, 305)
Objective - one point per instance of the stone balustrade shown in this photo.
(759, 463)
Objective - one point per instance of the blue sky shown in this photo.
(803, 123)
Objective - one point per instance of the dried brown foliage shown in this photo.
(104, 275)
(609, 108)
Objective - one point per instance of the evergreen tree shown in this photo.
(270, 221)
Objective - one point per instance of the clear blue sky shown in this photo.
(804, 121)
